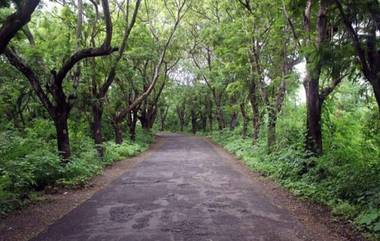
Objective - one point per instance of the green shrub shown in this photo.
(346, 178)
(29, 161)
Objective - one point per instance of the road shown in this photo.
(184, 190)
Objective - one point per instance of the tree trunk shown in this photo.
(211, 121)
(313, 141)
(132, 125)
(63, 143)
(234, 119)
(181, 124)
(245, 120)
(96, 127)
(118, 129)
(376, 91)
(193, 122)
(220, 116)
(181, 116)
(255, 111)
(203, 121)
(271, 135)
(209, 113)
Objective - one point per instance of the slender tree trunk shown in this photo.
(132, 125)
(376, 91)
(163, 114)
(193, 122)
(204, 121)
(144, 120)
(211, 120)
(220, 116)
(96, 127)
(62, 130)
(253, 96)
(118, 130)
(181, 117)
(271, 136)
(313, 141)
(234, 119)
(245, 120)
(181, 124)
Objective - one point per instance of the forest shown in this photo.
(291, 87)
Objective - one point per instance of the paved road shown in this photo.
(184, 190)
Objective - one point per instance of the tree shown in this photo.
(315, 52)
(99, 92)
(52, 95)
(362, 21)
(121, 114)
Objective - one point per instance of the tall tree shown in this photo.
(121, 114)
(99, 91)
(314, 46)
(51, 92)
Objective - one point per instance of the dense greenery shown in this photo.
(30, 162)
(292, 87)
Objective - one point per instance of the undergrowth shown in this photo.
(349, 183)
(29, 162)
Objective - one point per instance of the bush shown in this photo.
(29, 161)
(346, 178)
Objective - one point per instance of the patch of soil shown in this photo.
(24, 224)
(317, 218)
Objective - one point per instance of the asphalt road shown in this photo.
(184, 190)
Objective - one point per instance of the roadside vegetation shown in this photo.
(30, 163)
(291, 87)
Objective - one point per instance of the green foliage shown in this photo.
(29, 161)
(346, 178)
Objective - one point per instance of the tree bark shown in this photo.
(63, 143)
(210, 115)
(96, 127)
(181, 116)
(132, 121)
(193, 122)
(16, 21)
(234, 119)
(272, 121)
(118, 130)
(245, 120)
(313, 141)
(253, 97)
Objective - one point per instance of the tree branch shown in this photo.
(104, 49)
(111, 76)
(34, 81)
(16, 21)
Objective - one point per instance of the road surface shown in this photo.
(184, 190)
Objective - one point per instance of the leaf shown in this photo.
(376, 228)
(369, 217)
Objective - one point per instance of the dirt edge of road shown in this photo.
(315, 217)
(25, 224)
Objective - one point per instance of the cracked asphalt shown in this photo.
(184, 190)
